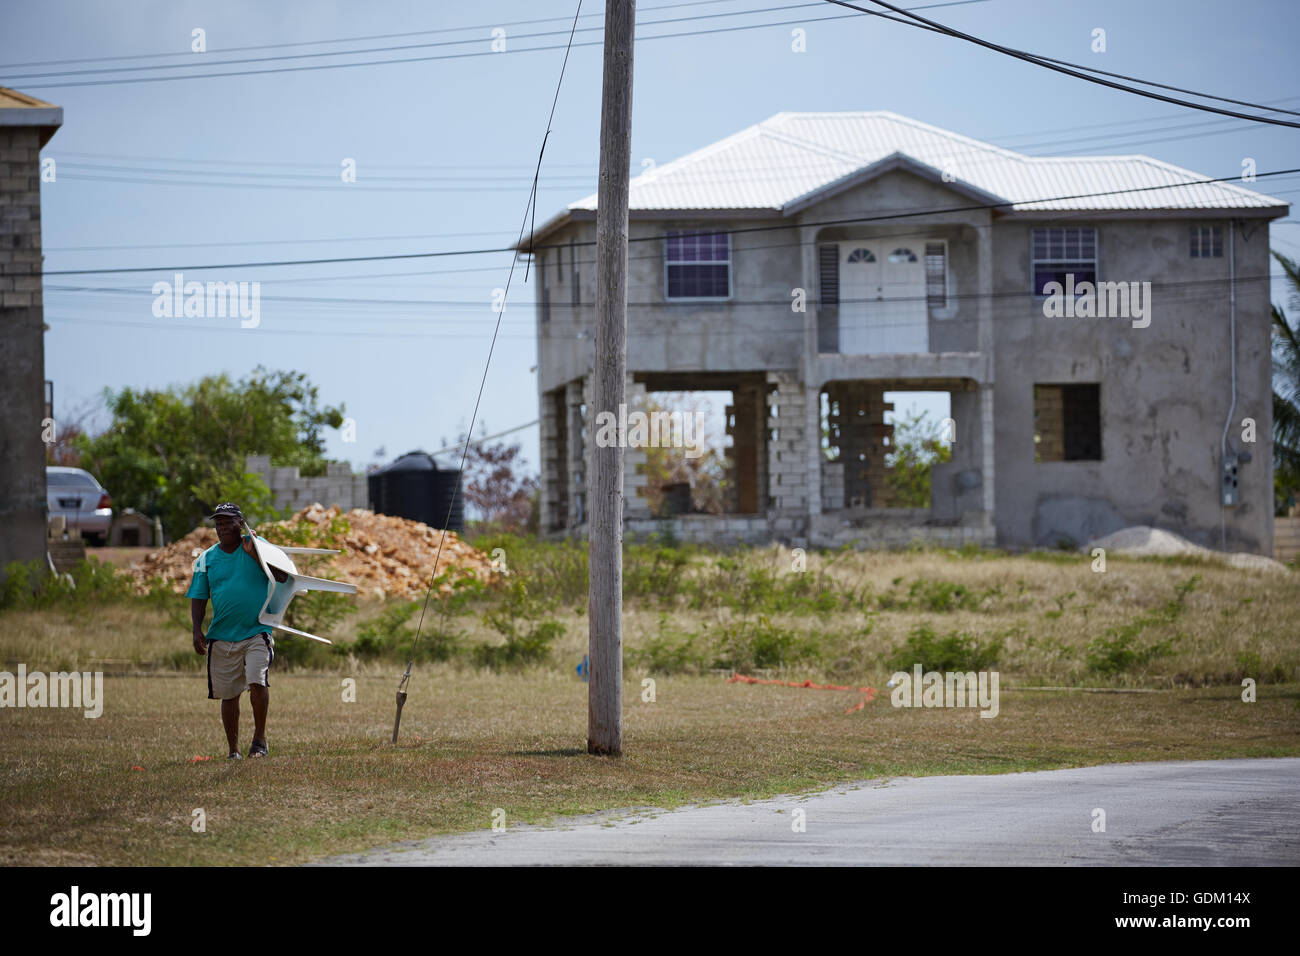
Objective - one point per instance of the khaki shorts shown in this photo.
(233, 665)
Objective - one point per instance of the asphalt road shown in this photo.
(1192, 813)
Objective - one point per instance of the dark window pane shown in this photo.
(1046, 272)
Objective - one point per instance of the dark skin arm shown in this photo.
(276, 573)
(198, 607)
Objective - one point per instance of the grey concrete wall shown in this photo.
(22, 349)
(757, 330)
(956, 486)
(1165, 392)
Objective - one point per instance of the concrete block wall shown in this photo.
(787, 449)
(719, 530)
(20, 218)
(338, 486)
(1049, 423)
(550, 446)
(832, 485)
(22, 348)
(576, 395)
(900, 528)
(635, 504)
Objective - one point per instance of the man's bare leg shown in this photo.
(230, 720)
(260, 695)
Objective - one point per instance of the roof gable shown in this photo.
(891, 163)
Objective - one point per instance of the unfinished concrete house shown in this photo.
(1100, 325)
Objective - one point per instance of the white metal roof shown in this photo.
(776, 163)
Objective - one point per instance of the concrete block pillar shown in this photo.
(577, 396)
(787, 458)
(552, 498)
(635, 504)
(986, 444)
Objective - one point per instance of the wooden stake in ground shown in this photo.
(605, 580)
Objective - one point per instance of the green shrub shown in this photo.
(668, 652)
(318, 612)
(654, 572)
(518, 618)
(938, 597)
(1123, 651)
(762, 645)
(302, 652)
(389, 636)
(90, 581)
(529, 646)
(950, 652)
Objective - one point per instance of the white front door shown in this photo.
(882, 296)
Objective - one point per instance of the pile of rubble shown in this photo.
(382, 555)
(1141, 541)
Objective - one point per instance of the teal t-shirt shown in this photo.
(238, 588)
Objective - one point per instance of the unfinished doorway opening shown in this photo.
(879, 443)
(720, 469)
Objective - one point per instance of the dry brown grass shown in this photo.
(474, 741)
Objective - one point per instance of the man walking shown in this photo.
(238, 646)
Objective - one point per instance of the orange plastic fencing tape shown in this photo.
(869, 693)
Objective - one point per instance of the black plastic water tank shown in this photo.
(414, 487)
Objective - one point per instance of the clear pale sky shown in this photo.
(246, 168)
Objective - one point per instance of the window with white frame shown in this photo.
(1207, 242)
(697, 265)
(1058, 251)
(936, 274)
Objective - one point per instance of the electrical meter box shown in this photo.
(1230, 490)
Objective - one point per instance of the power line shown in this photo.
(377, 36)
(711, 332)
(338, 188)
(908, 233)
(1136, 137)
(391, 49)
(457, 56)
(1052, 64)
(319, 171)
(735, 231)
(274, 242)
(780, 302)
(314, 165)
(487, 438)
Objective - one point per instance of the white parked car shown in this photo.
(75, 495)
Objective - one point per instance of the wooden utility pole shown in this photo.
(605, 547)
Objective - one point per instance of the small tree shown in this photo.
(177, 452)
(916, 448)
(496, 486)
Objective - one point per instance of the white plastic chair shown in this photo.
(280, 593)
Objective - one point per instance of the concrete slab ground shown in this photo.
(1189, 813)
